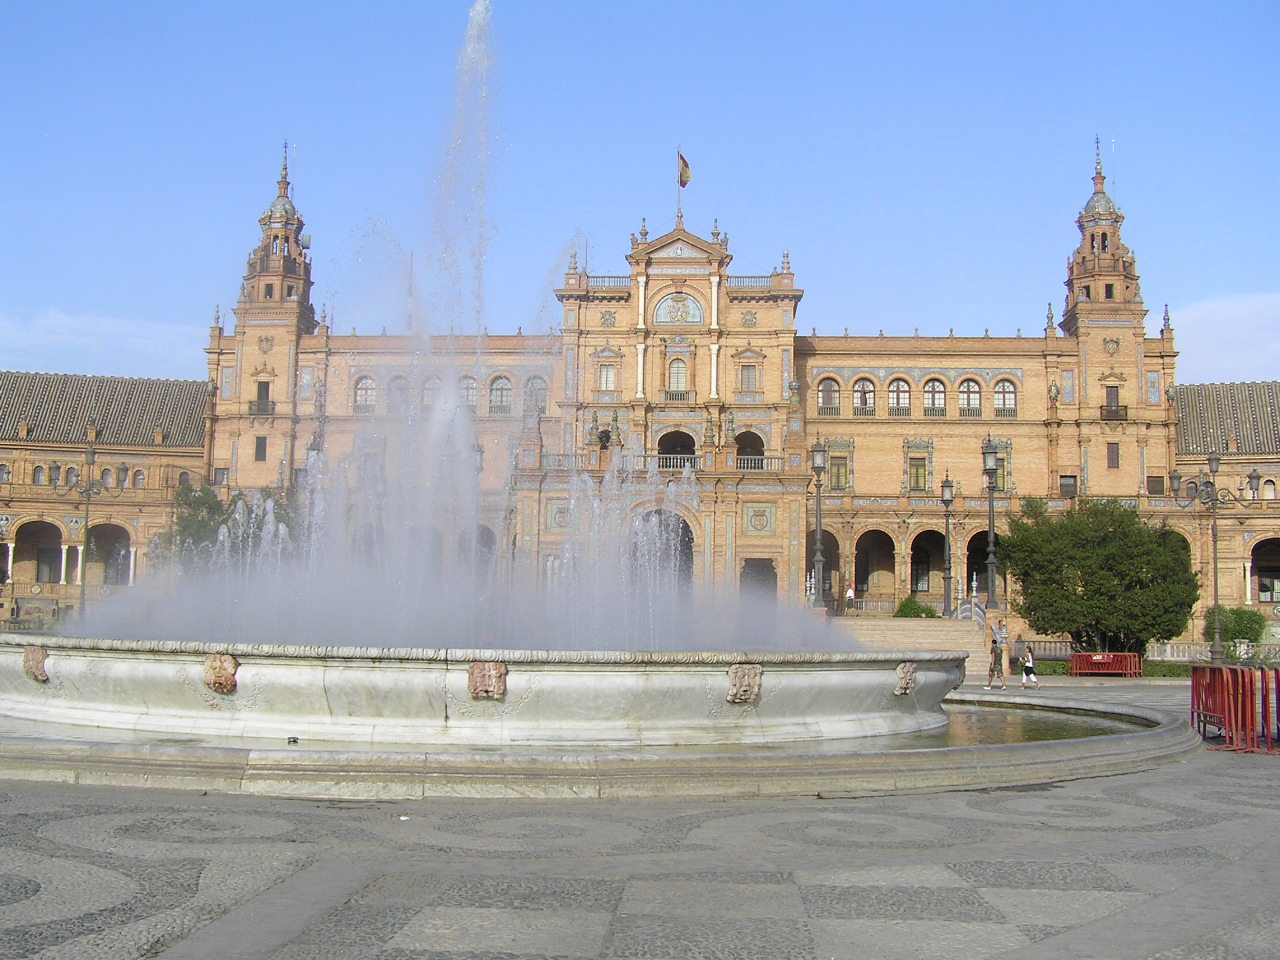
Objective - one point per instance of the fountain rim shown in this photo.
(456, 654)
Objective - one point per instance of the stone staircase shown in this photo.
(902, 633)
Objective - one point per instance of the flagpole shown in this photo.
(679, 208)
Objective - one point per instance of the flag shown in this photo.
(682, 175)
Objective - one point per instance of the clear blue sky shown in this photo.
(923, 163)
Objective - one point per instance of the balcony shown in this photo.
(564, 461)
(262, 408)
(970, 413)
(825, 410)
(664, 461)
(760, 464)
(935, 411)
(679, 396)
(899, 411)
(1006, 413)
(1113, 413)
(867, 411)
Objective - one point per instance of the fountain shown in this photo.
(420, 659)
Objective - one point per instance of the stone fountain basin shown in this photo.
(483, 697)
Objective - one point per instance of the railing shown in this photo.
(262, 408)
(608, 282)
(935, 411)
(679, 396)
(1006, 413)
(499, 409)
(665, 461)
(760, 463)
(828, 411)
(970, 413)
(564, 461)
(873, 605)
(864, 411)
(1113, 413)
(748, 281)
(899, 411)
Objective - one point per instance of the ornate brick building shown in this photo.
(681, 370)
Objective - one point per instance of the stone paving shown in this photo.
(1177, 863)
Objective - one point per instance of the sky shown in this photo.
(922, 163)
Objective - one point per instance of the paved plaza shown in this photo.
(1178, 863)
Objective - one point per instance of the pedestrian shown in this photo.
(1001, 633)
(1029, 668)
(995, 668)
(849, 598)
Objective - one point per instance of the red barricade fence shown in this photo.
(1242, 704)
(1115, 664)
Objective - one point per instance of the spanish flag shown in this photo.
(683, 176)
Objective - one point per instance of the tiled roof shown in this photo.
(1228, 417)
(127, 410)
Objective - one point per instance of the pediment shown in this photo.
(1113, 376)
(681, 249)
(606, 353)
(682, 246)
(748, 353)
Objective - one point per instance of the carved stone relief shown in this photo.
(487, 680)
(220, 672)
(744, 683)
(33, 659)
(906, 678)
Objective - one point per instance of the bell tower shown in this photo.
(1102, 275)
(277, 283)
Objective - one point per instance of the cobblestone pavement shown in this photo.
(1177, 863)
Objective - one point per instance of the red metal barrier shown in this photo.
(1241, 703)
(1121, 664)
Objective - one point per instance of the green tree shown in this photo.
(1099, 573)
(1238, 623)
(198, 513)
(911, 607)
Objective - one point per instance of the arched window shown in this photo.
(184, 479)
(535, 395)
(499, 396)
(828, 397)
(678, 377)
(72, 475)
(864, 398)
(398, 395)
(139, 479)
(38, 476)
(970, 399)
(365, 395)
(935, 398)
(1268, 489)
(467, 387)
(107, 478)
(899, 398)
(430, 391)
(6, 474)
(1106, 244)
(1006, 399)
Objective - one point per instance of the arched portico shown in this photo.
(928, 565)
(109, 561)
(874, 578)
(1264, 576)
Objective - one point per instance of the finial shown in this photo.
(1166, 316)
(284, 163)
(786, 261)
(644, 230)
(1048, 316)
(573, 261)
(1097, 154)
(715, 229)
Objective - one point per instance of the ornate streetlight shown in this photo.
(86, 487)
(948, 498)
(990, 466)
(1207, 493)
(819, 454)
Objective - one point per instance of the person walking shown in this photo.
(1029, 668)
(1001, 632)
(995, 668)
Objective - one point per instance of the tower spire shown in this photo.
(283, 182)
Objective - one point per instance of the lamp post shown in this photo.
(990, 465)
(1207, 493)
(90, 458)
(948, 498)
(819, 454)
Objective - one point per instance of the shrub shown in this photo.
(1238, 623)
(911, 607)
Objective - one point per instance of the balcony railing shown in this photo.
(970, 413)
(608, 281)
(867, 411)
(773, 464)
(748, 281)
(899, 411)
(935, 411)
(262, 408)
(1113, 413)
(828, 411)
(664, 461)
(1006, 413)
(679, 396)
(564, 461)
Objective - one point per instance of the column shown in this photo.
(84, 549)
(640, 370)
(640, 319)
(62, 574)
(715, 303)
(133, 564)
(715, 366)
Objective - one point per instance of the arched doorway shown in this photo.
(831, 576)
(37, 553)
(662, 553)
(750, 455)
(928, 567)
(107, 562)
(1264, 579)
(758, 581)
(976, 568)
(676, 450)
(873, 572)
